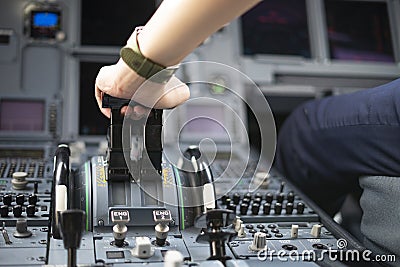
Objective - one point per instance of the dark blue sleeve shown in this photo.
(325, 145)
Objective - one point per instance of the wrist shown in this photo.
(127, 80)
(131, 54)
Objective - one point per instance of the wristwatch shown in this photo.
(143, 66)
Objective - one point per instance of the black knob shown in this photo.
(228, 202)
(258, 195)
(17, 210)
(249, 226)
(224, 198)
(280, 197)
(236, 198)
(289, 208)
(266, 208)
(4, 211)
(32, 199)
(244, 207)
(7, 199)
(20, 199)
(255, 208)
(290, 197)
(248, 195)
(269, 197)
(30, 210)
(300, 208)
(72, 222)
(232, 207)
(246, 200)
(278, 208)
(257, 200)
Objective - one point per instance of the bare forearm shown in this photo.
(179, 26)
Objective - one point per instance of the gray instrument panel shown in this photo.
(97, 247)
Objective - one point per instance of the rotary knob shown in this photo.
(32, 199)
(257, 200)
(300, 208)
(259, 242)
(17, 210)
(258, 195)
(4, 211)
(228, 201)
(289, 208)
(280, 197)
(30, 210)
(7, 199)
(224, 198)
(20, 199)
(244, 207)
(266, 208)
(236, 198)
(22, 229)
(255, 208)
(19, 181)
(269, 197)
(290, 197)
(278, 208)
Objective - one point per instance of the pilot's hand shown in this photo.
(119, 80)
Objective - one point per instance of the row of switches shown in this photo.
(315, 231)
(17, 210)
(20, 199)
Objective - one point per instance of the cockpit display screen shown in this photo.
(45, 24)
(45, 19)
(22, 115)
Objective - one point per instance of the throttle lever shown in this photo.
(117, 167)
